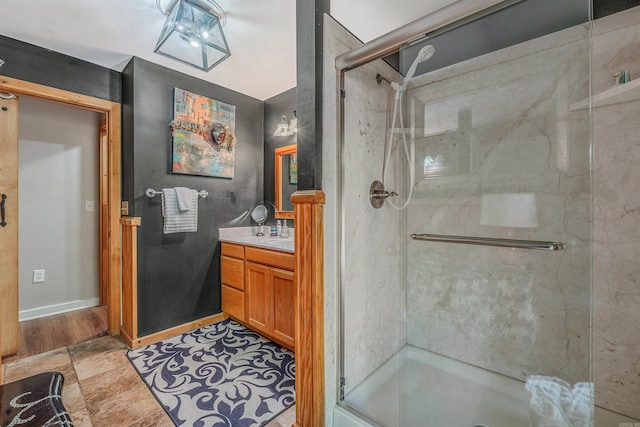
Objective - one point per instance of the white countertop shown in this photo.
(246, 236)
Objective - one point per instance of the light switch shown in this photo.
(89, 206)
(38, 276)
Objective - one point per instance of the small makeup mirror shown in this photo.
(286, 179)
(259, 215)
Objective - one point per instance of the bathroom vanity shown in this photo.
(258, 283)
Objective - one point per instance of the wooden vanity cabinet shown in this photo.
(284, 298)
(232, 278)
(268, 292)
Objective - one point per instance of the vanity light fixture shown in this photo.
(293, 125)
(192, 33)
(286, 128)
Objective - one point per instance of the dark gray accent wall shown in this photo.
(607, 7)
(179, 274)
(35, 64)
(309, 33)
(515, 24)
(274, 108)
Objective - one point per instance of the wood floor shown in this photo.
(100, 384)
(49, 333)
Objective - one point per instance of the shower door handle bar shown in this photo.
(488, 241)
(2, 212)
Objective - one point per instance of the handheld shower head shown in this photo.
(423, 55)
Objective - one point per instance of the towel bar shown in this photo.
(152, 193)
(487, 241)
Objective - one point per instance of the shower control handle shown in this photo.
(377, 194)
(383, 194)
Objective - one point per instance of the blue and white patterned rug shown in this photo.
(219, 375)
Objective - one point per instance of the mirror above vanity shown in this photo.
(286, 179)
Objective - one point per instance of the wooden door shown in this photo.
(284, 300)
(9, 225)
(258, 292)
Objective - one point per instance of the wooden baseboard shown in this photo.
(126, 337)
(171, 332)
(267, 337)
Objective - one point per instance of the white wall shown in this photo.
(58, 172)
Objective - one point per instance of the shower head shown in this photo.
(423, 55)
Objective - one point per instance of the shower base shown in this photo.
(419, 388)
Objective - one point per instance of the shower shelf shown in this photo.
(625, 92)
(488, 241)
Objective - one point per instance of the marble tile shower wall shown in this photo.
(616, 216)
(505, 153)
(373, 287)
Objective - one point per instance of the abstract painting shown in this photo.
(204, 135)
(293, 168)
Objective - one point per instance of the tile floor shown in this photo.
(101, 387)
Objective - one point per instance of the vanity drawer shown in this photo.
(278, 259)
(233, 302)
(233, 250)
(232, 272)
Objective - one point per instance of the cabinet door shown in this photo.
(284, 300)
(259, 295)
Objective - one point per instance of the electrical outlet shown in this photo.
(38, 276)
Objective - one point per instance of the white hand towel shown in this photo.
(174, 220)
(184, 198)
(554, 403)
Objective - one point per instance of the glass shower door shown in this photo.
(502, 162)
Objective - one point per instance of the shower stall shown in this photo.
(476, 303)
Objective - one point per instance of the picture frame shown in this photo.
(203, 135)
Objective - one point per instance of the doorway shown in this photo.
(58, 208)
(108, 204)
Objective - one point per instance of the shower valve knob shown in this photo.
(383, 194)
(377, 194)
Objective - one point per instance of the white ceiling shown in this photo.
(260, 33)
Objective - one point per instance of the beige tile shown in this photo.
(51, 361)
(123, 409)
(96, 346)
(81, 418)
(158, 419)
(99, 363)
(285, 419)
(72, 398)
(97, 388)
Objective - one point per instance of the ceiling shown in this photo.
(260, 33)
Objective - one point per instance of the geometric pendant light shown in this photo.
(193, 35)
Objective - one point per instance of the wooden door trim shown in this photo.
(278, 153)
(309, 276)
(112, 112)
